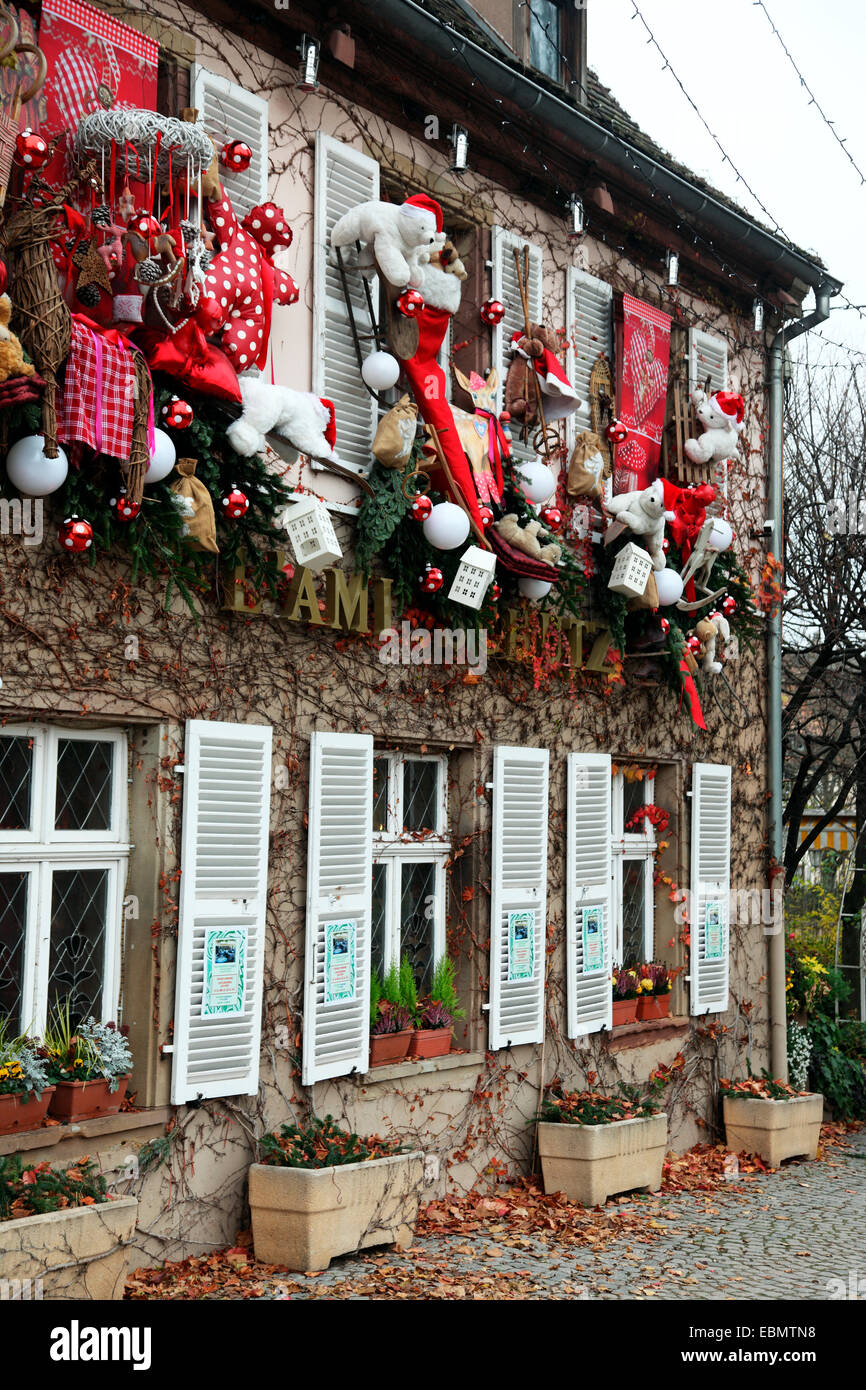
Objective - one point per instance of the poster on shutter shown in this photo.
(340, 939)
(643, 354)
(714, 934)
(521, 945)
(225, 960)
(593, 939)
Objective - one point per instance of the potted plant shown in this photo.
(654, 990)
(593, 1145)
(391, 1020)
(435, 1017)
(624, 983)
(90, 1067)
(321, 1191)
(24, 1087)
(768, 1117)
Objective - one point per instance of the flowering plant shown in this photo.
(92, 1051)
(31, 1191)
(23, 1068)
(625, 983)
(656, 978)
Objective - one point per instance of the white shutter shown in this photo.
(505, 288)
(518, 895)
(229, 112)
(589, 894)
(224, 879)
(710, 887)
(589, 326)
(708, 357)
(344, 178)
(339, 890)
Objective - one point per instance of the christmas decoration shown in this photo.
(536, 368)
(311, 533)
(729, 606)
(162, 458)
(587, 467)
(410, 303)
(421, 507)
(400, 237)
(447, 526)
(551, 517)
(432, 579)
(694, 644)
(526, 539)
(670, 587)
(483, 441)
(75, 535)
(710, 632)
(473, 578)
(631, 571)
(664, 624)
(533, 588)
(125, 510)
(31, 471)
(196, 508)
(236, 156)
(31, 149)
(537, 481)
(235, 504)
(643, 337)
(721, 418)
(644, 514)
(177, 414)
(11, 356)
(486, 515)
(267, 224)
(721, 536)
(305, 420)
(616, 432)
(495, 592)
(492, 312)
(380, 371)
(395, 434)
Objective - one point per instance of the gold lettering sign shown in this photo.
(347, 599)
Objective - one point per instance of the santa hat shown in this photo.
(561, 397)
(729, 403)
(422, 206)
(331, 427)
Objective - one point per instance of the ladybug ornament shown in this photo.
(495, 591)
(421, 507)
(486, 515)
(31, 149)
(664, 625)
(410, 303)
(616, 432)
(432, 579)
(236, 156)
(694, 644)
(235, 503)
(177, 414)
(123, 509)
(729, 606)
(75, 535)
(492, 312)
(551, 517)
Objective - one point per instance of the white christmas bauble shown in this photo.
(31, 472)
(721, 534)
(380, 371)
(536, 479)
(670, 587)
(162, 460)
(447, 526)
(533, 588)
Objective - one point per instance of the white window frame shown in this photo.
(394, 849)
(41, 850)
(631, 846)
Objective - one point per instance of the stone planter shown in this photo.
(430, 1042)
(85, 1100)
(773, 1129)
(624, 1011)
(80, 1253)
(303, 1217)
(21, 1110)
(389, 1047)
(590, 1163)
(654, 1006)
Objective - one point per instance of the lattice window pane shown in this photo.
(381, 769)
(379, 918)
(544, 45)
(16, 781)
(634, 795)
(420, 795)
(417, 899)
(13, 925)
(633, 910)
(79, 913)
(84, 785)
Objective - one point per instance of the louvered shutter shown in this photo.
(223, 885)
(505, 288)
(518, 895)
(229, 112)
(339, 891)
(710, 887)
(589, 326)
(344, 178)
(708, 357)
(589, 894)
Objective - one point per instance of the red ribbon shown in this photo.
(497, 445)
(691, 692)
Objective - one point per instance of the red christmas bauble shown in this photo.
(421, 507)
(236, 156)
(432, 579)
(693, 643)
(75, 535)
(31, 149)
(495, 591)
(486, 515)
(665, 626)
(144, 224)
(505, 417)
(177, 414)
(551, 517)
(729, 606)
(289, 570)
(492, 311)
(235, 503)
(410, 303)
(666, 545)
(616, 432)
(125, 510)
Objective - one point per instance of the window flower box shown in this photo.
(653, 1006)
(389, 1047)
(430, 1042)
(86, 1100)
(624, 1011)
(590, 1163)
(773, 1129)
(21, 1110)
(78, 1253)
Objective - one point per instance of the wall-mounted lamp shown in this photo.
(309, 51)
(578, 216)
(759, 315)
(460, 140)
(673, 263)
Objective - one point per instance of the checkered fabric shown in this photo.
(97, 400)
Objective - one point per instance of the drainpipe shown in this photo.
(778, 1019)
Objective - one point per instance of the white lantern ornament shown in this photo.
(533, 588)
(447, 526)
(162, 459)
(670, 587)
(473, 578)
(721, 536)
(380, 371)
(537, 481)
(31, 472)
(311, 533)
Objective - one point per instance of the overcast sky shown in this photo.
(734, 69)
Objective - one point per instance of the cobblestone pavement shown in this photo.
(784, 1235)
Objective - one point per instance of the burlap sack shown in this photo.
(396, 434)
(587, 466)
(649, 598)
(197, 506)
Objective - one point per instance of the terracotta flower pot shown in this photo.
(85, 1100)
(654, 1006)
(21, 1110)
(430, 1042)
(624, 1011)
(389, 1047)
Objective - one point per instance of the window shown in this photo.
(410, 855)
(633, 845)
(545, 38)
(63, 862)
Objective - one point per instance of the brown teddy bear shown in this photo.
(521, 389)
(526, 538)
(11, 356)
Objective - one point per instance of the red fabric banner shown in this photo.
(92, 59)
(643, 355)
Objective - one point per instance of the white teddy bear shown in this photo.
(644, 514)
(721, 417)
(302, 418)
(401, 237)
